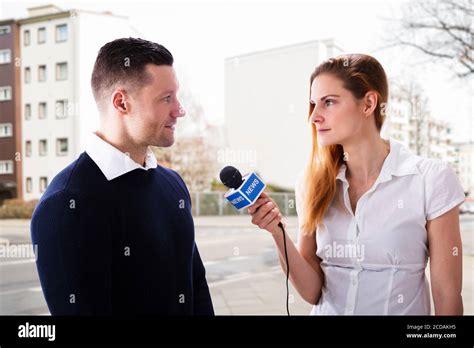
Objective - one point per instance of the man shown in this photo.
(114, 230)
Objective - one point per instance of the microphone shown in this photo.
(243, 191)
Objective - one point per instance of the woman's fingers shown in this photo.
(265, 214)
(272, 217)
(262, 211)
(253, 208)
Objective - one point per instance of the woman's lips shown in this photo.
(323, 130)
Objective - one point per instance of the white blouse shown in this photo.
(374, 260)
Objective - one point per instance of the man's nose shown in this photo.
(179, 111)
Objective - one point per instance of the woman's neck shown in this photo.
(365, 158)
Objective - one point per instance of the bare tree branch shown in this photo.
(441, 30)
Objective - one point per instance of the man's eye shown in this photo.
(167, 99)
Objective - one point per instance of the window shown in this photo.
(5, 56)
(6, 130)
(41, 35)
(61, 108)
(28, 148)
(42, 73)
(6, 167)
(29, 185)
(27, 111)
(61, 32)
(5, 93)
(61, 71)
(43, 183)
(42, 110)
(61, 146)
(27, 75)
(26, 37)
(43, 147)
(5, 29)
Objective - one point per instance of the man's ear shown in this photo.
(370, 102)
(120, 102)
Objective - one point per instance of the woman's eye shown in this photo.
(167, 99)
(328, 102)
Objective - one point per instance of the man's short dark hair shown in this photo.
(123, 61)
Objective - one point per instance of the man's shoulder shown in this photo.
(169, 173)
(79, 176)
(78, 187)
(172, 177)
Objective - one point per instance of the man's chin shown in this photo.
(165, 142)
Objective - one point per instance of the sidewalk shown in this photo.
(257, 294)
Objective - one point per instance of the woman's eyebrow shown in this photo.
(329, 95)
(326, 96)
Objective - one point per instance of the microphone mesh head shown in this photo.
(231, 177)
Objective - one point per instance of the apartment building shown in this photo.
(10, 118)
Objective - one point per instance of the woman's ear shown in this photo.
(370, 102)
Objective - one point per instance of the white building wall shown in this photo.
(87, 32)
(266, 110)
(49, 91)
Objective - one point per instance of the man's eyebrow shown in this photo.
(167, 92)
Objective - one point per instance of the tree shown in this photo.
(441, 30)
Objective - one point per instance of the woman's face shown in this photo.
(337, 115)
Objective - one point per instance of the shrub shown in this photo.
(17, 209)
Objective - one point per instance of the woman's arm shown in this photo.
(445, 248)
(305, 273)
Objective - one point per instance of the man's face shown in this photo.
(155, 108)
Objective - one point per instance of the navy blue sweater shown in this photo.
(119, 247)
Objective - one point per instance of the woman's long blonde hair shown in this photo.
(360, 74)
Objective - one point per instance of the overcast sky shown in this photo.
(202, 34)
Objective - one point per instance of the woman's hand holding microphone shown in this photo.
(265, 214)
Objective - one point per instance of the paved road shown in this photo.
(243, 271)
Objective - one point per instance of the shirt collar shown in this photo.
(113, 162)
(400, 161)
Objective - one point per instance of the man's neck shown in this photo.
(136, 152)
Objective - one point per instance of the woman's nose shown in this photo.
(316, 117)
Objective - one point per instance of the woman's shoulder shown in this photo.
(432, 167)
(440, 179)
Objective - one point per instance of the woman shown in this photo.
(370, 212)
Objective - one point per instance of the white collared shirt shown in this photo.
(113, 162)
(374, 260)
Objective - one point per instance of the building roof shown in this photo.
(327, 41)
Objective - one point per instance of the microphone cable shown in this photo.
(287, 269)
